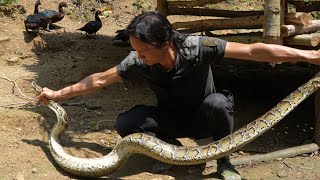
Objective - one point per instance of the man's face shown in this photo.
(147, 53)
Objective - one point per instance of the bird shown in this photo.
(51, 16)
(33, 21)
(92, 27)
(121, 39)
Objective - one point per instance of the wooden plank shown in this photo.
(211, 12)
(317, 116)
(247, 38)
(250, 22)
(191, 3)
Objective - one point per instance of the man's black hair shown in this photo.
(155, 29)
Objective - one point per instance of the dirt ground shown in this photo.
(64, 56)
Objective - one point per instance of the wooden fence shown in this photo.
(278, 25)
(286, 22)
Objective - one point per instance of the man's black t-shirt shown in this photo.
(183, 88)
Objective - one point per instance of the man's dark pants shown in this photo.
(214, 117)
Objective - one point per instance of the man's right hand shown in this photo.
(46, 95)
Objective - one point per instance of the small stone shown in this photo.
(4, 38)
(282, 174)
(12, 60)
(34, 170)
(102, 141)
(19, 53)
(93, 105)
(19, 176)
(107, 131)
(160, 167)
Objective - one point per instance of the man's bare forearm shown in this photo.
(270, 53)
(89, 84)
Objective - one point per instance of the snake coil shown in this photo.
(162, 151)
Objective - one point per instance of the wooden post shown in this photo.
(274, 11)
(317, 117)
(162, 7)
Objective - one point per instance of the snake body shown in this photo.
(162, 151)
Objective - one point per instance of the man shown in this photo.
(178, 69)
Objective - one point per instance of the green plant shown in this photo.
(7, 2)
(315, 14)
(143, 5)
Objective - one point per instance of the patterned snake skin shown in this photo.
(162, 151)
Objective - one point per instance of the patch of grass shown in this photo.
(84, 11)
(10, 8)
(315, 14)
(142, 5)
(8, 2)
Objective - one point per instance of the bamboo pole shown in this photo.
(285, 153)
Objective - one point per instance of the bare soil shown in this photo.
(64, 56)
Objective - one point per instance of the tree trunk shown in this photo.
(298, 18)
(304, 40)
(272, 13)
(290, 30)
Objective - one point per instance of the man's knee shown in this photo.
(122, 126)
(138, 119)
(218, 101)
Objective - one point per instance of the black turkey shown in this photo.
(33, 21)
(51, 16)
(92, 27)
(121, 39)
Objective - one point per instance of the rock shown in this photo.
(19, 176)
(34, 170)
(93, 105)
(160, 167)
(12, 60)
(282, 173)
(4, 38)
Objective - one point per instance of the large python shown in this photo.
(162, 151)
